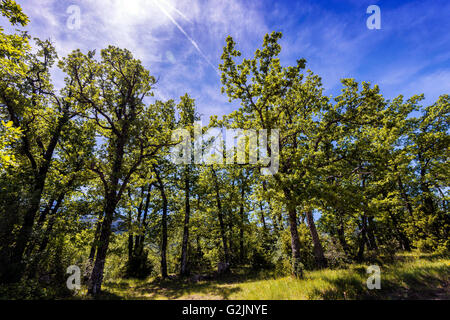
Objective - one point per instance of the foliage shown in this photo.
(86, 177)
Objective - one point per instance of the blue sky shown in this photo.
(180, 41)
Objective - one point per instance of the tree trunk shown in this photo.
(130, 238)
(50, 209)
(139, 244)
(134, 241)
(241, 234)
(371, 234)
(362, 243)
(297, 269)
(405, 197)
(96, 278)
(164, 227)
(94, 244)
(230, 239)
(263, 218)
(404, 241)
(33, 267)
(428, 204)
(187, 211)
(16, 264)
(321, 262)
(112, 197)
(220, 214)
(341, 237)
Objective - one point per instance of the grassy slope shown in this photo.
(412, 276)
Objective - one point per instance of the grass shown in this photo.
(410, 276)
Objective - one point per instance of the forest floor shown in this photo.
(410, 276)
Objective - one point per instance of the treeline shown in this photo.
(86, 177)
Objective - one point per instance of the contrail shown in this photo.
(177, 11)
(186, 35)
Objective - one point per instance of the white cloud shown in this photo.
(179, 41)
(184, 55)
(432, 85)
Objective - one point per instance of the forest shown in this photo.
(87, 180)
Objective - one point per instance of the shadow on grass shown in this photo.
(175, 289)
(217, 288)
(424, 282)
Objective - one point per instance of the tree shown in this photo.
(30, 103)
(188, 116)
(273, 97)
(111, 93)
(430, 142)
